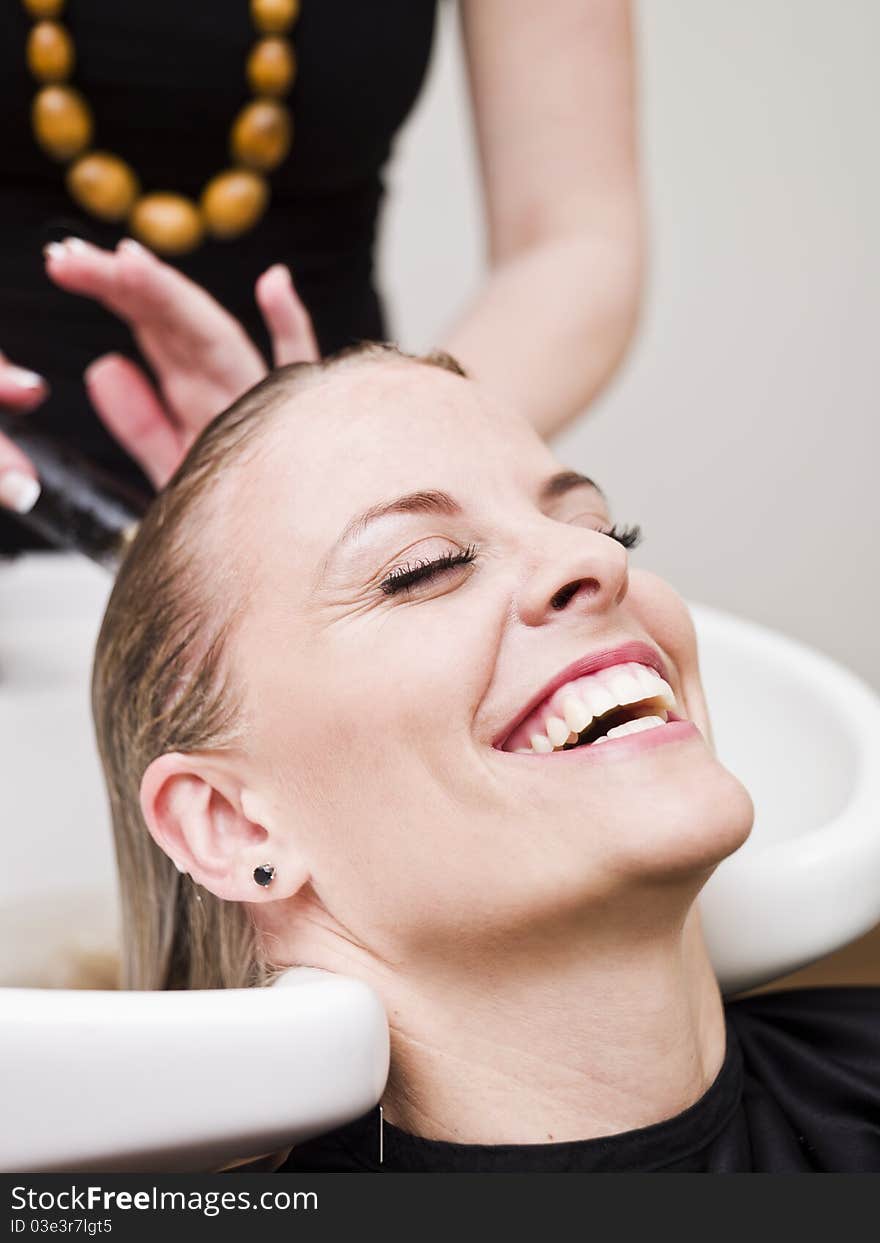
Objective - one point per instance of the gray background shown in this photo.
(741, 431)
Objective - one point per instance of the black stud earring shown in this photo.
(264, 874)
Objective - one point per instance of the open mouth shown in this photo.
(595, 708)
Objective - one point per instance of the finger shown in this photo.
(116, 279)
(179, 325)
(187, 337)
(133, 283)
(155, 291)
(19, 486)
(79, 267)
(20, 389)
(288, 321)
(130, 409)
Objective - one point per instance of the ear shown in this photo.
(212, 826)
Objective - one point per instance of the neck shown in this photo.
(563, 1048)
(565, 1040)
(594, 1044)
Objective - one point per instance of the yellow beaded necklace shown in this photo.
(232, 202)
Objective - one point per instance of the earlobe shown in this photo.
(197, 813)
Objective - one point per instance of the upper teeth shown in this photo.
(573, 707)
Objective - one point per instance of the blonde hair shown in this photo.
(160, 683)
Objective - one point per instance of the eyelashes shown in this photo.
(403, 577)
(629, 536)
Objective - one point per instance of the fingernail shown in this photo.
(279, 267)
(25, 379)
(76, 244)
(94, 367)
(19, 491)
(128, 243)
(54, 250)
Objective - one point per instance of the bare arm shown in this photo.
(553, 95)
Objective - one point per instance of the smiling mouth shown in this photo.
(586, 711)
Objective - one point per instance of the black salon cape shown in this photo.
(799, 1092)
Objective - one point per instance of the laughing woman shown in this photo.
(384, 696)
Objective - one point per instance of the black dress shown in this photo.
(799, 1092)
(164, 80)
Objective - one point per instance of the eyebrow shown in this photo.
(430, 502)
(434, 501)
(565, 481)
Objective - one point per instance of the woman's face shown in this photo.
(387, 709)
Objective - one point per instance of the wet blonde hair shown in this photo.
(160, 684)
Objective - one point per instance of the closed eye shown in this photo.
(404, 577)
(629, 536)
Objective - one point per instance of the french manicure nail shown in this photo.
(19, 491)
(76, 245)
(54, 250)
(25, 379)
(128, 243)
(96, 365)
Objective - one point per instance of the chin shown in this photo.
(685, 827)
(607, 852)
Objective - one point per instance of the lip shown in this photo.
(635, 651)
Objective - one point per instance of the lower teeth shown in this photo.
(638, 726)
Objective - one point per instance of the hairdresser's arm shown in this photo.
(200, 355)
(553, 95)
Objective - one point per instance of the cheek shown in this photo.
(373, 706)
(417, 672)
(665, 617)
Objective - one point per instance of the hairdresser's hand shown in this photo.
(201, 356)
(20, 390)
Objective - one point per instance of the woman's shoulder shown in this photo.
(812, 1057)
(841, 1023)
(849, 1012)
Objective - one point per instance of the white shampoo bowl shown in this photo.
(803, 734)
(184, 1081)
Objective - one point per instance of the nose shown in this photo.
(575, 571)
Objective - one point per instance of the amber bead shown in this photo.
(271, 67)
(261, 135)
(103, 184)
(44, 8)
(274, 16)
(49, 52)
(168, 223)
(62, 121)
(233, 202)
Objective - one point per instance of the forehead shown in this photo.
(373, 430)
